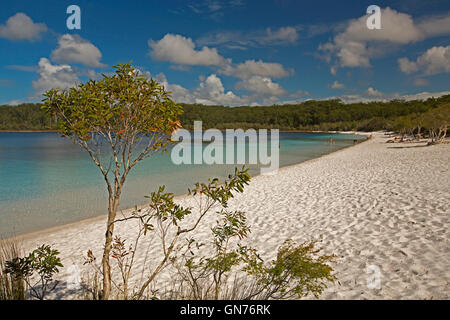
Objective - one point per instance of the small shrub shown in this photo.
(44, 262)
(10, 287)
(235, 271)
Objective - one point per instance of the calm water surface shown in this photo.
(46, 181)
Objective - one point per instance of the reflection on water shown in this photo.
(45, 180)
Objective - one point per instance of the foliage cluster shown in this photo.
(42, 262)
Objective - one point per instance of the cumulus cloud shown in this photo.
(179, 93)
(374, 93)
(407, 66)
(261, 85)
(211, 91)
(252, 68)
(435, 25)
(435, 60)
(180, 50)
(353, 47)
(21, 27)
(356, 45)
(74, 49)
(53, 76)
(337, 85)
(89, 73)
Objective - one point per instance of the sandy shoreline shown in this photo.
(102, 217)
(373, 204)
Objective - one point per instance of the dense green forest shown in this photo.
(322, 115)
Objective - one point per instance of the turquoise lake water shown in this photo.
(46, 181)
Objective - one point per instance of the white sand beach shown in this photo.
(373, 204)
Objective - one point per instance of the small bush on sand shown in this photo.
(235, 271)
(10, 287)
(42, 262)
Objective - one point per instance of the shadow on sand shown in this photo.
(408, 147)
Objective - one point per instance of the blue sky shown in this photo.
(231, 52)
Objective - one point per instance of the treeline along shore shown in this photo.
(312, 115)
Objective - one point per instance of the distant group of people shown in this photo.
(332, 141)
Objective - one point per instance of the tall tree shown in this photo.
(119, 120)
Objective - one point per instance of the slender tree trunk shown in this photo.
(112, 211)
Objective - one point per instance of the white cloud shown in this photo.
(53, 76)
(356, 45)
(213, 9)
(261, 85)
(256, 68)
(89, 73)
(355, 98)
(74, 49)
(407, 66)
(269, 101)
(396, 27)
(337, 85)
(21, 27)
(182, 53)
(179, 93)
(424, 95)
(181, 50)
(284, 35)
(352, 46)
(374, 93)
(15, 102)
(435, 60)
(435, 25)
(211, 91)
(238, 40)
